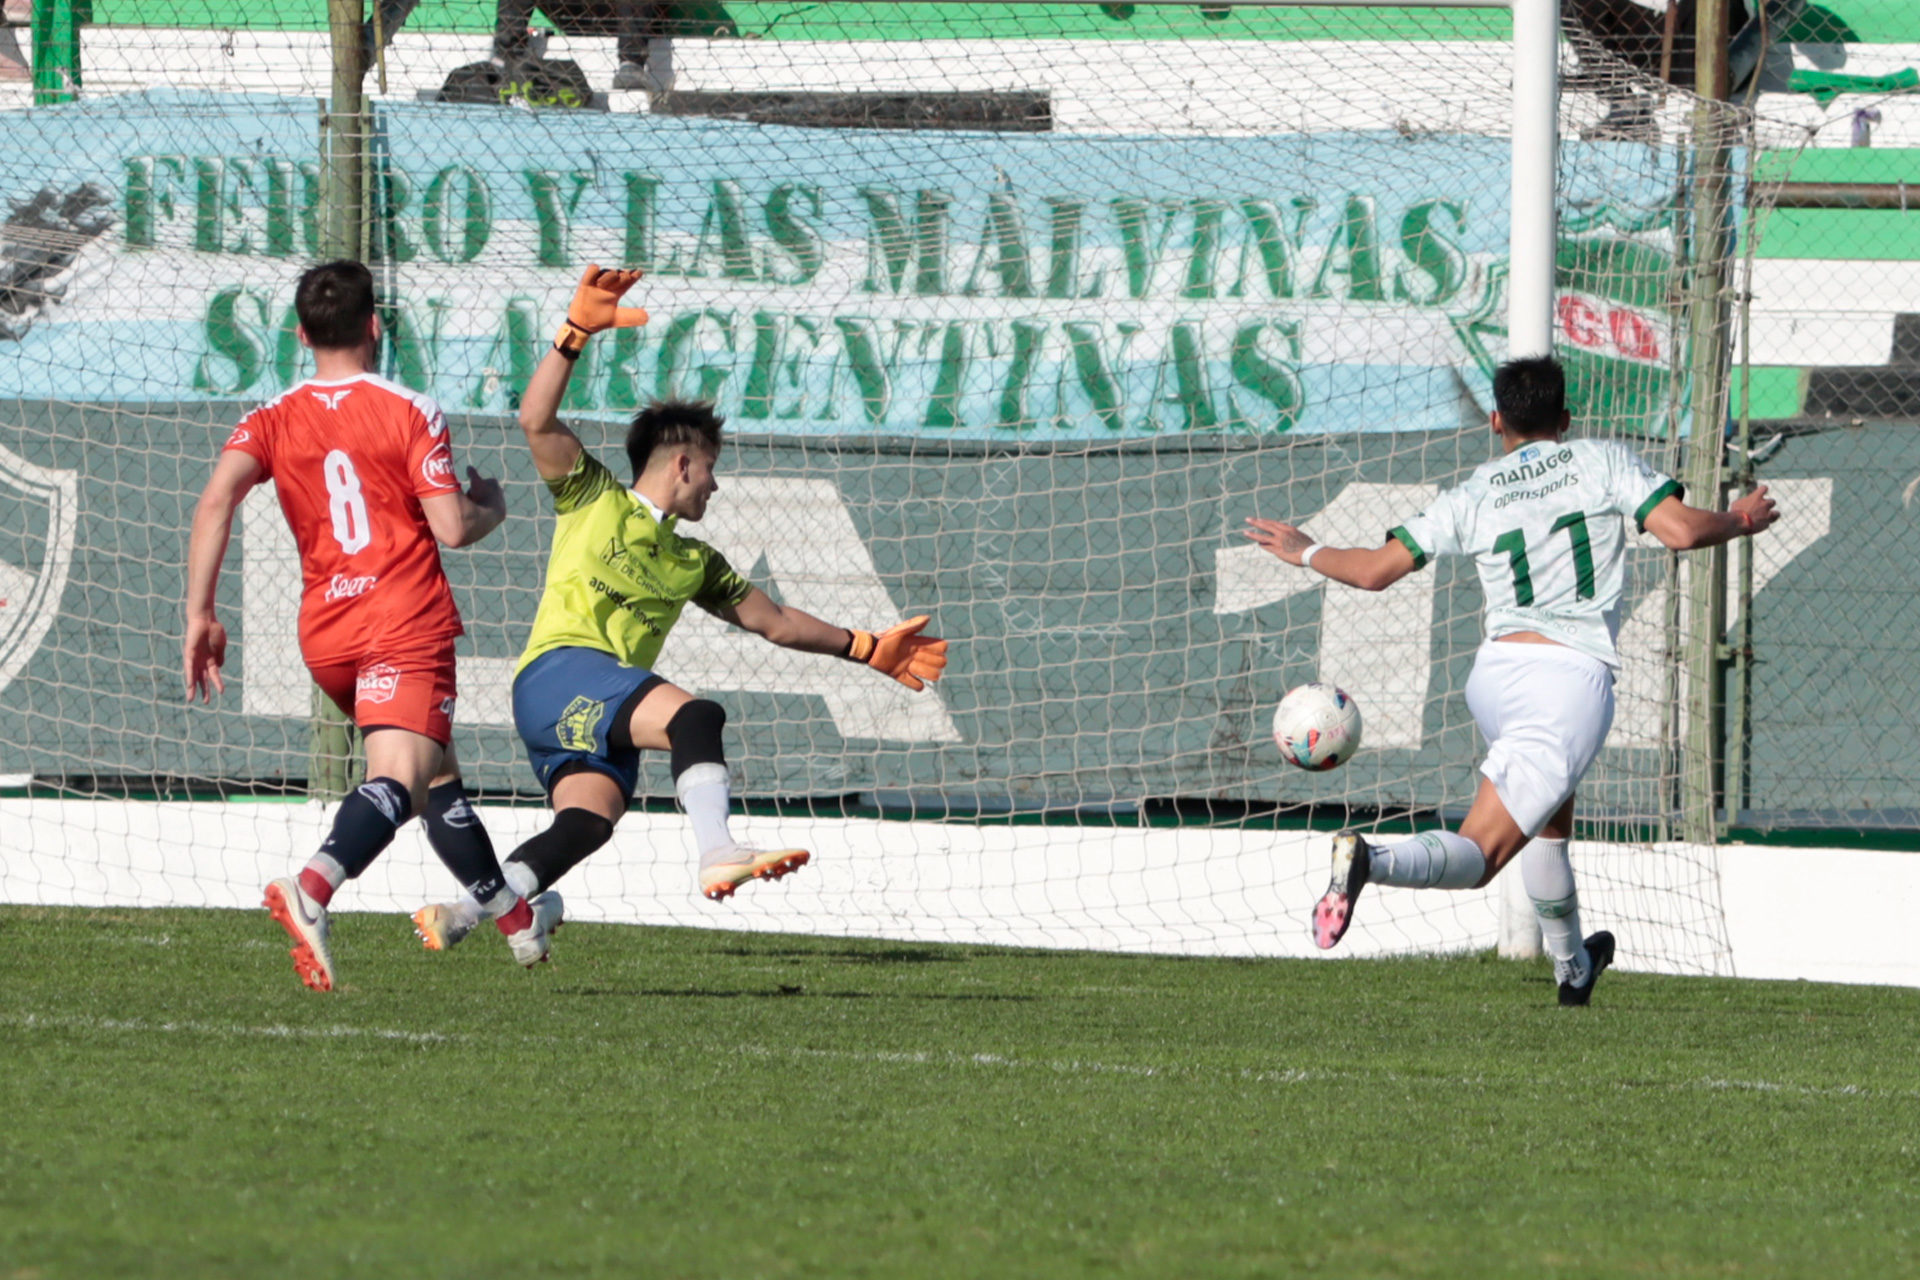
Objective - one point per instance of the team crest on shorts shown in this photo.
(577, 723)
(378, 683)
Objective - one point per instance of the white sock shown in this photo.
(521, 879)
(1548, 874)
(470, 911)
(1430, 860)
(706, 794)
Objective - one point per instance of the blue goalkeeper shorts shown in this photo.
(566, 702)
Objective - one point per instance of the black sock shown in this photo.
(368, 817)
(575, 833)
(461, 842)
(694, 735)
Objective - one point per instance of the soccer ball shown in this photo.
(1317, 727)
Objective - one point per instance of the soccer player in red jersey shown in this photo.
(364, 472)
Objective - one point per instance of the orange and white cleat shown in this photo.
(741, 864)
(441, 925)
(306, 923)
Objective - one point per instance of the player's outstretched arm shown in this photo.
(595, 307)
(204, 650)
(462, 519)
(901, 651)
(1368, 568)
(1680, 527)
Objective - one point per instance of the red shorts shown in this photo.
(411, 689)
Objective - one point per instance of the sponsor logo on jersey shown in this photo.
(240, 436)
(1535, 469)
(37, 498)
(331, 399)
(346, 588)
(577, 723)
(377, 683)
(436, 424)
(1544, 491)
(437, 466)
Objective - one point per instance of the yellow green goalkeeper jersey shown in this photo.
(619, 575)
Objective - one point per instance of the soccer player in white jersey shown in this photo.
(1546, 524)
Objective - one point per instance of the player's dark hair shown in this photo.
(672, 424)
(1531, 395)
(334, 302)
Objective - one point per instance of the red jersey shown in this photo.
(351, 461)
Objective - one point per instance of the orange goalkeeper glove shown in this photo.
(596, 306)
(916, 661)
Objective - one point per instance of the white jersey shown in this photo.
(1546, 526)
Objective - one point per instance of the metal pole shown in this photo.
(1904, 196)
(333, 754)
(343, 139)
(1530, 254)
(1706, 582)
(1536, 98)
(1740, 692)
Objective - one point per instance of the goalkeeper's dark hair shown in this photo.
(334, 302)
(672, 424)
(1531, 395)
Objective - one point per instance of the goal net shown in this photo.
(1015, 313)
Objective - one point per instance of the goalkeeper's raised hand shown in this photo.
(914, 659)
(596, 306)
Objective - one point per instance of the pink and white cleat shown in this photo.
(1334, 912)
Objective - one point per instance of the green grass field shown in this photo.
(670, 1103)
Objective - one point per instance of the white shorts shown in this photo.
(1544, 710)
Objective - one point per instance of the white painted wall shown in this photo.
(1150, 86)
(1819, 914)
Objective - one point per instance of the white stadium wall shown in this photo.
(1821, 915)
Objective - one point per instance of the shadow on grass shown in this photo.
(878, 955)
(785, 992)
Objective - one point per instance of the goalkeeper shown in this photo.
(585, 697)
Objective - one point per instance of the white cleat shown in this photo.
(441, 925)
(306, 923)
(720, 880)
(531, 944)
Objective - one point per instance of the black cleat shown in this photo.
(1334, 912)
(1599, 955)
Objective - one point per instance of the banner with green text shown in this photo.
(834, 281)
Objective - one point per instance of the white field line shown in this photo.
(1296, 1075)
(228, 1030)
(940, 1059)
